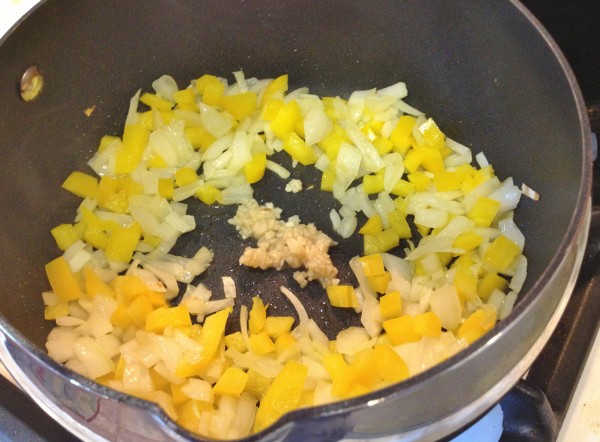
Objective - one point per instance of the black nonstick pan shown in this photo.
(488, 73)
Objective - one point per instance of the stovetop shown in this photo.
(549, 399)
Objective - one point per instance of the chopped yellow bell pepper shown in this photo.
(501, 253)
(401, 137)
(65, 235)
(372, 227)
(122, 242)
(157, 320)
(275, 89)
(257, 316)
(232, 382)
(254, 169)
(62, 280)
(94, 286)
(298, 149)
(484, 211)
(283, 395)
(239, 105)
(491, 281)
(390, 305)
(478, 324)
(342, 296)
(81, 184)
(288, 116)
(276, 325)
(261, 344)
(154, 101)
(389, 364)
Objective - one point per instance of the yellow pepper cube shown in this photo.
(257, 316)
(465, 282)
(372, 227)
(157, 320)
(501, 253)
(128, 287)
(428, 324)
(380, 282)
(484, 211)
(186, 99)
(120, 317)
(298, 149)
(276, 325)
(135, 139)
(156, 102)
(468, 241)
(81, 184)
(389, 364)
(282, 396)
(399, 224)
(199, 137)
(62, 280)
(342, 296)
(287, 118)
(403, 188)
(383, 145)
(284, 341)
(106, 141)
(270, 109)
(212, 334)
(334, 363)
(419, 180)
(363, 369)
(401, 330)
(370, 245)
(65, 235)
(373, 183)
(208, 194)
(185, 175)
(446, 181)
(388, 239)
(401, 136)
(232, 382)
(138, 309)
(94, 286)
(332, 142)
(372, 129)
(51, 312)
(239, 105)
(261, 344)
(390, 305)
(431, 159)
(122, 242)
(166, 186)
(275, 89)
(236, 341)
(477, 324)
(254, 169)
(156, 299)
(257, 384)
(212, 90)
(491, 281)
(178, 397)
(412, 160)
(328, 178)
(372, 264)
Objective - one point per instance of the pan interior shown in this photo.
(482, 71)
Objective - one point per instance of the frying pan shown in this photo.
(488, 73)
